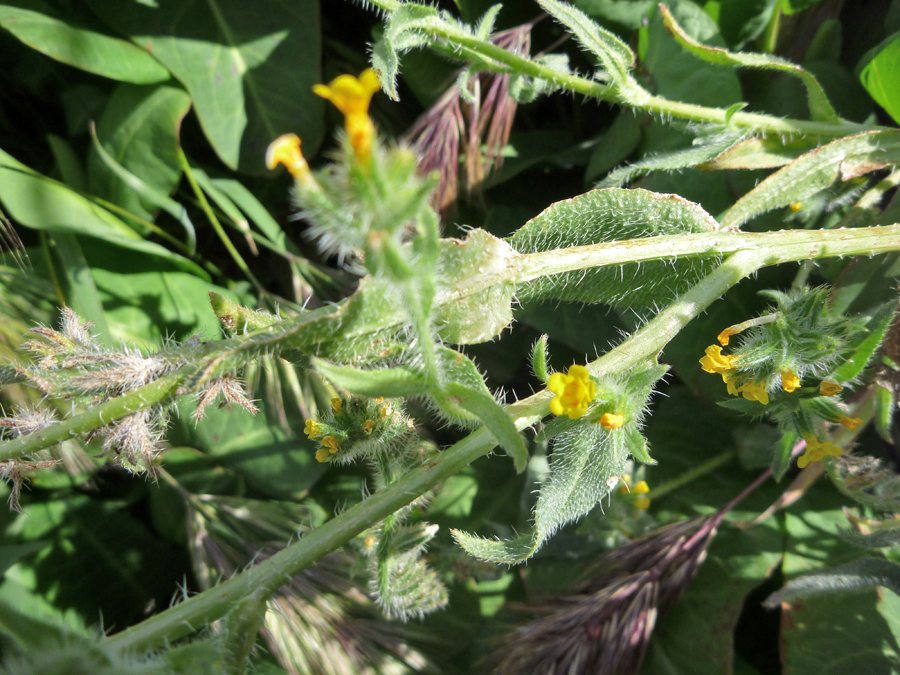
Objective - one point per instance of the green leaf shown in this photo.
(783, 457)
(870, 341)
(45, 204)
(481, 404)
(539, 359)
(471, 307)
(400, 34)
(881, 538)
(273, 461)
(868, 627)
(388, 382)
(249, 68)
(614, 215)
(761, 153)
(79, 43)
(881, 77)
(139, 129)
(703, 152)
(817, 170)
(819, 106)
(614, 146)
(616, 56)
(82, 294)
(499, 552)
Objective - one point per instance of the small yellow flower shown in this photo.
(640, 489)
(731, 382)
(321, 454)
(817, 451)
(286, 150)
(313, 429)
(796, 206)
(612, 421)
(368, 425)
(331, 443)
(352, 96)
(574, 391)
(385, 410)
(850, 422)
(725, 335)
(715, 361)
(829, 388)
(789, 380)
(337, 405)
(754, 391)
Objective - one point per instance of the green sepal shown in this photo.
(394, 382)
(539, 359)
(782, 459)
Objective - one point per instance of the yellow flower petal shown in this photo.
(286, 150)
(312, 429)
(789, 381)
(829, 388)
(850, 422)
(754, 391)
(715, 361)
(612, 421)
(574, 392)
(337, 405)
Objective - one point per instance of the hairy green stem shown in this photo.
(766, 124)
(196, 612)
(764, 248)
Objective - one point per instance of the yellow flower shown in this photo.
(754, 392)
(286, 150)
(850, 422)
(731, 382)
(789, 381)
(829, 388)
(715, 362)
(816, 451)
(574, 391)
(368, 425)
(331, 443)
(725, 335)
(352, 96)
(640, 489)
(337, 405)
(313, 428)
(321, 454)
(796, 206)
(612, 421)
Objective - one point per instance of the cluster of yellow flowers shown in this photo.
(726, 365)
(574, 392)
(333, 436)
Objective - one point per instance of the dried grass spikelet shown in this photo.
(605, 625)
(318, 622)
(453, 125)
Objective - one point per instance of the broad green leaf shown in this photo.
(615, 145)
(249, 68)
(139, 129)
(628, 14)
(819, 106)
(79, 43)
(867, 625)
(615, 215)
(881, 78)
(817, 170)
(45, 204)
(147, 299)
(471, 307)
(273, 461)
(81, 295)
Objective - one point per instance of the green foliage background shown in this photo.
(109, 104)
